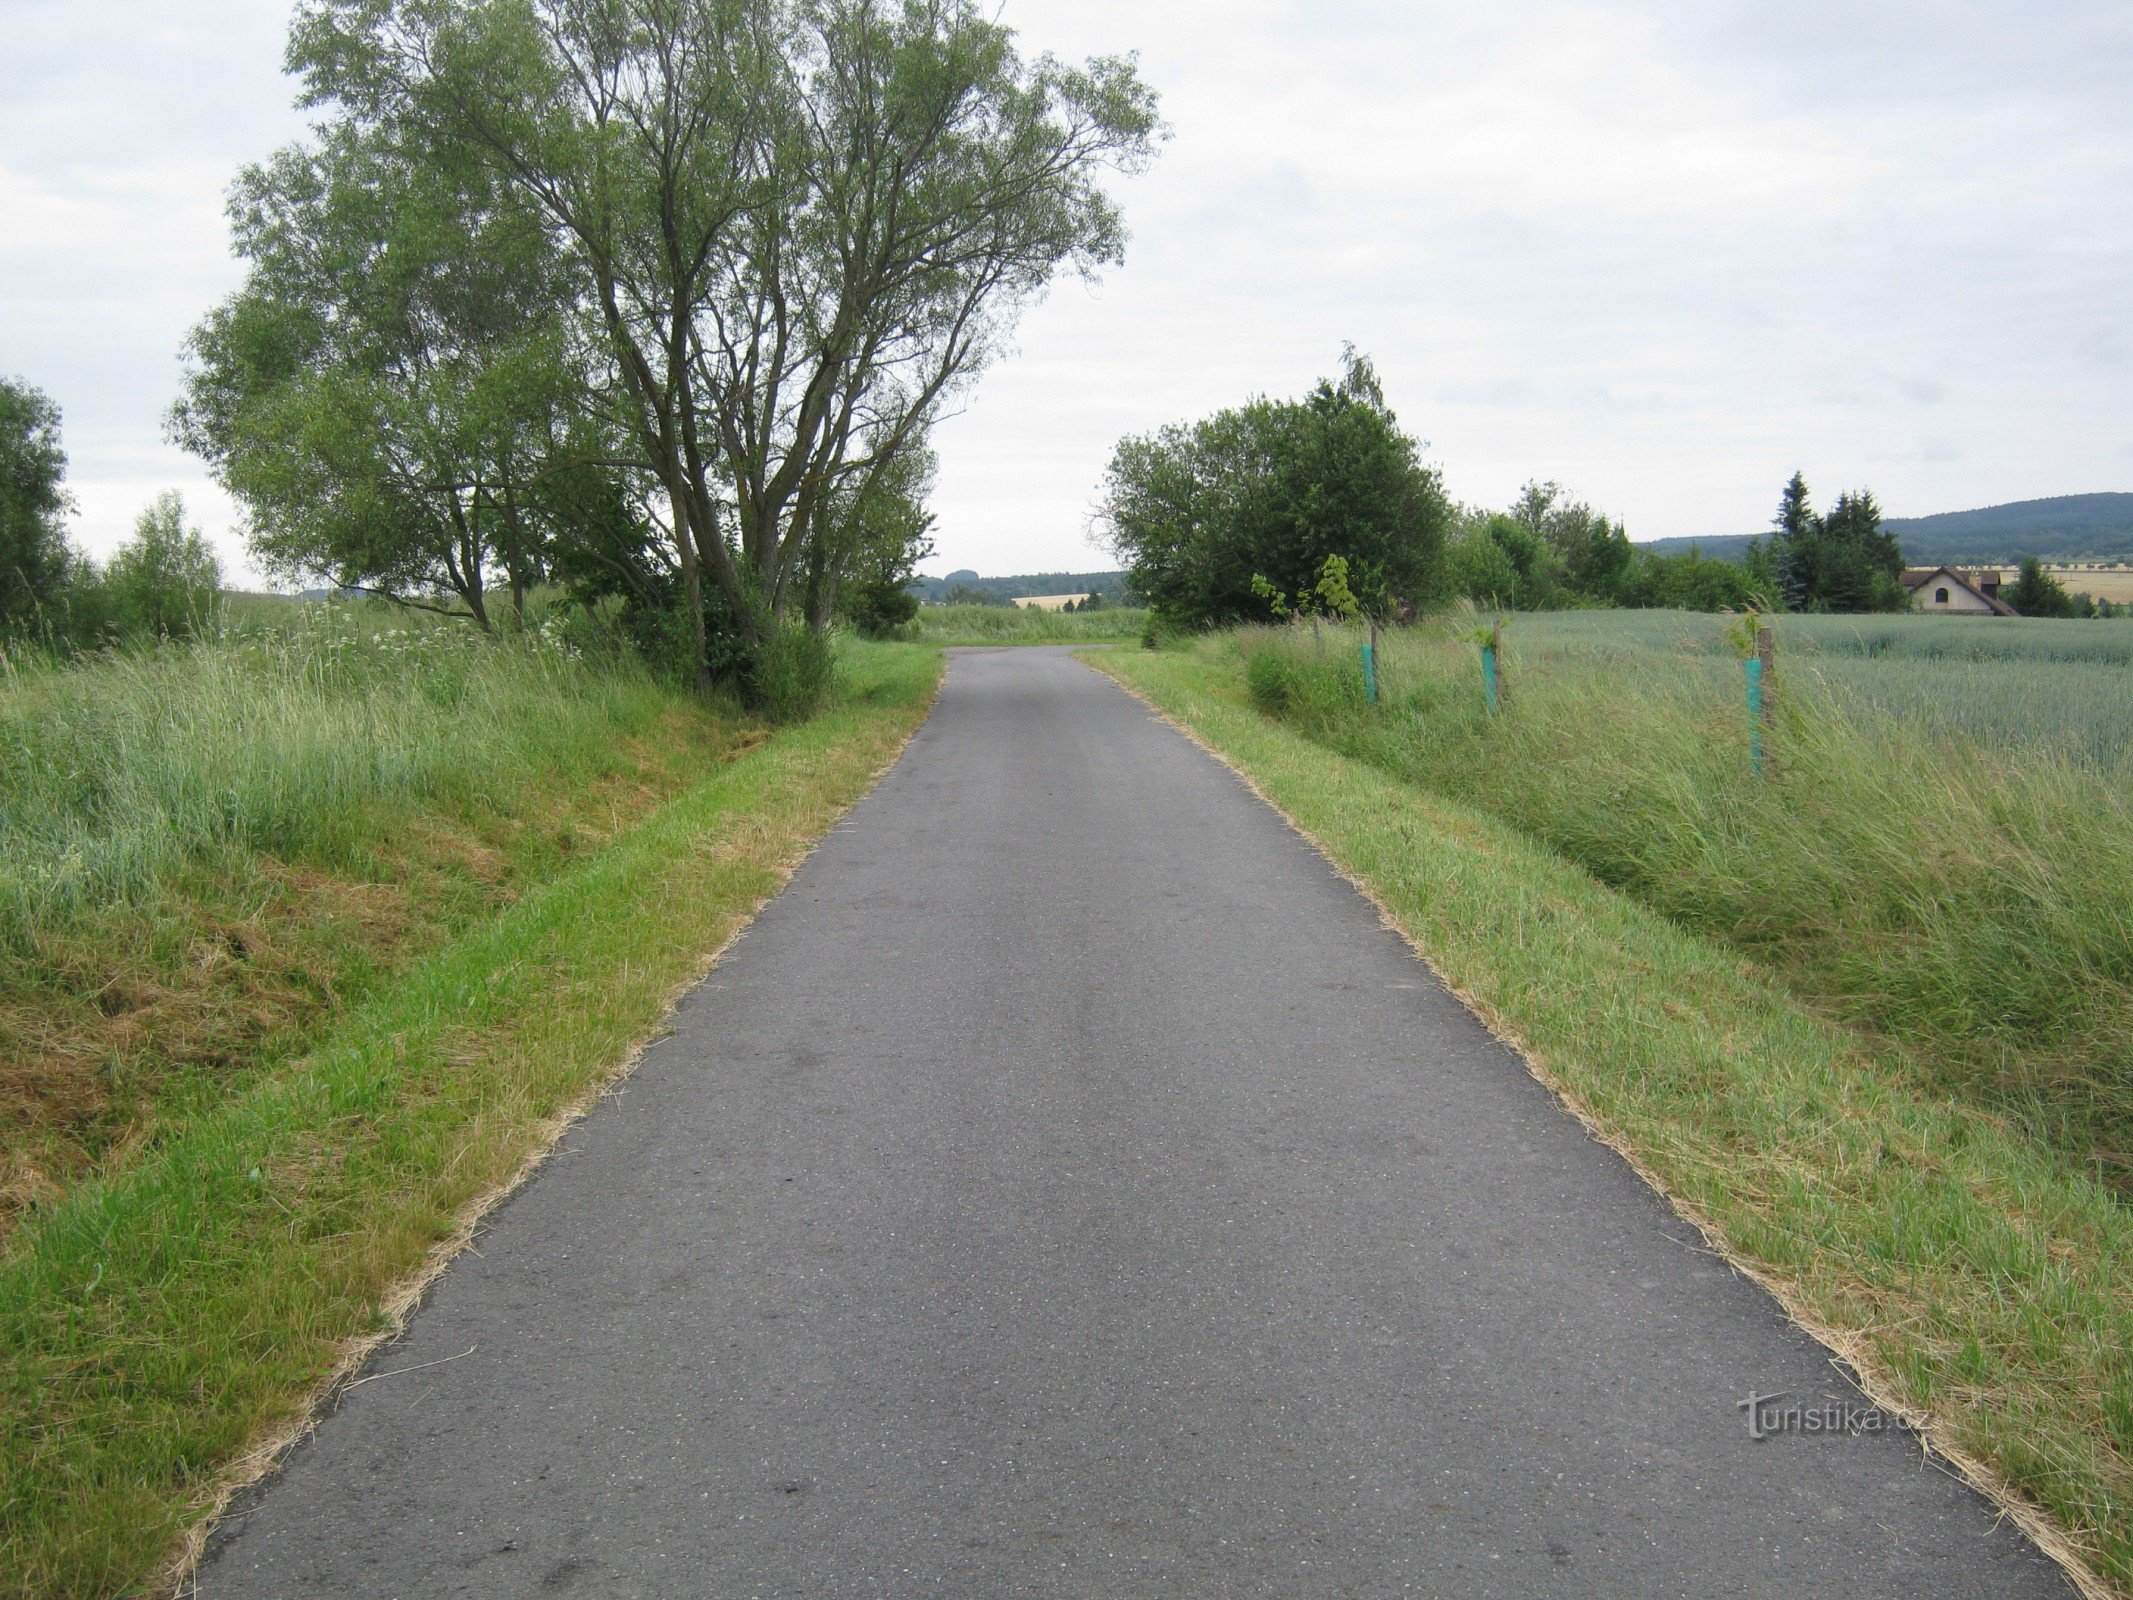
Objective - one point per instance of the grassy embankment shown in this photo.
(983, 625)
(316, 936)
(1860, 1019)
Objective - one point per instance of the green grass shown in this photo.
(162, 1318)
(1971, 904)
(982, 625)
(2018, 684)
(1979, 1276)
(298, 739)
(209, 849)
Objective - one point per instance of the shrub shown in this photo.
(878, 606)
(163, 582)
(1215, 518)
(788, 673)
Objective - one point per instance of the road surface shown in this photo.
(1069, 1188)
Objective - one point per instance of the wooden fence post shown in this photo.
(1766, 653)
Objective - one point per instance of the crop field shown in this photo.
(2011, 683)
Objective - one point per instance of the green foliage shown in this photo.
(1845, 561)
(1270, 491)
(1328, 596)
(397, 394)
(2036, 593)
(878, 605)
(1546, 550)
(165, 581)
(783, 234)
(33, 506)
(1689, 582)
(878, 534)
(787, 672)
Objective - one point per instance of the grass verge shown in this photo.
(1977, 1279)
(210, 849)
(1963, 900)
(161, 1323)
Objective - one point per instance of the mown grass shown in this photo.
(162, 1318)
(1977, 1275)
(208, 849)
(982, 625)
(1971, 904)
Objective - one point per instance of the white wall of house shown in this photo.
(1942, 592)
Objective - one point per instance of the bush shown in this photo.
(878, 606)
(1214, 518)
(33, 504)
(788, 673)
(1159, 632)
(165, 581)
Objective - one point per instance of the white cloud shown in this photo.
(1663, 250)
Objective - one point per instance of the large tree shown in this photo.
(799, 226)
(1267, 492)
(33, 508)
(395, 390)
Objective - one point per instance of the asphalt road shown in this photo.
(1069, 1188)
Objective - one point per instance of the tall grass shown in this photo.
(209, 849)
(301, 739)
(1972, 904)
(950, 625)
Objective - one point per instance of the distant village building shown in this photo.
(1050, 602)
(1956, 592)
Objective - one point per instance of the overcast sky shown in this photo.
(1663, 252)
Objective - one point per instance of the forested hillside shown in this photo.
(2067, 527)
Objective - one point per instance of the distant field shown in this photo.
(968, 625)
(2012, 682)
(2112, 583)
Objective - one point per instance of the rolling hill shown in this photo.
(2068, 527)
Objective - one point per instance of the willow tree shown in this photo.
(394, 390)
(800, 226)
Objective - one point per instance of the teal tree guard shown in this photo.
(1753, 667)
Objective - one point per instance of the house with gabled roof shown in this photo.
(1956, 593)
